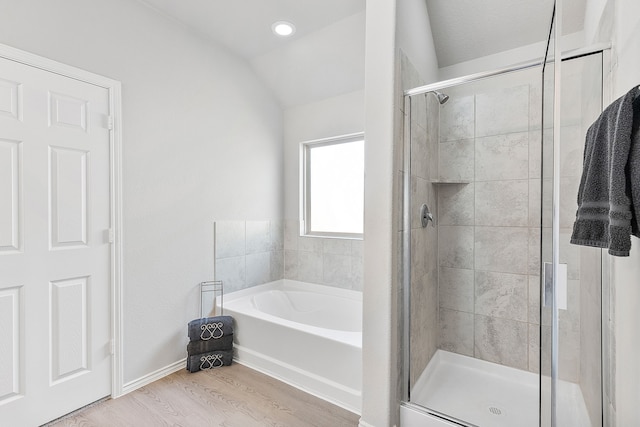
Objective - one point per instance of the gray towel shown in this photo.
(209, 328)
(634, 168)
(605, 209)
(197, 347)
(210, 360)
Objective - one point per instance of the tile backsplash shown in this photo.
(250, 253)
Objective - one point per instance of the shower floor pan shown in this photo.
(486, 394)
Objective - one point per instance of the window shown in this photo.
(332, 200)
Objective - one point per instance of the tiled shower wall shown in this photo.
(489, 251)
(250, 253)
(489, 225)
(424, 116)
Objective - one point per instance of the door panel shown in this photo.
(54, 253)
(10, 211)
(68, 197)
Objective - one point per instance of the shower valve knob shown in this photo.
(426, 216)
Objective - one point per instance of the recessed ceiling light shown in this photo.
(283, 28)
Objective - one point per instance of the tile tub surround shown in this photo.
(324, 261)
(248, 253)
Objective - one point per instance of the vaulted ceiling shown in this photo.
(325, 57)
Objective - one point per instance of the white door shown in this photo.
(55, 353)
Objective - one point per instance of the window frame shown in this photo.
(305, 186)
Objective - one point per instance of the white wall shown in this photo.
(379, 302)
(618, 21)
(413, 33)
(202, 141)
(626, 271)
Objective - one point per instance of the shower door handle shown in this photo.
(561, 292)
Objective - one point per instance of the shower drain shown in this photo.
(494, 410)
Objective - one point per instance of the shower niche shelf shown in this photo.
(448, 181)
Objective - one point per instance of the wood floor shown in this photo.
(232, 396)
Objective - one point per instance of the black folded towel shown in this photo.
(198, 347)
(209, 328)
(210, 360)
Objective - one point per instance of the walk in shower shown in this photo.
(488, 200)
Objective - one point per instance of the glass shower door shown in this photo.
(548, 375)
(571, 282)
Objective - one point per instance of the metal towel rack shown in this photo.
(209, 291)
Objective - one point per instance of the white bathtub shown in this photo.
(309, 336)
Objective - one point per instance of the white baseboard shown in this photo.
(308, 382)
(153, 376)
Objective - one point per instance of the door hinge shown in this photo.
(110, 235)
(110, 122)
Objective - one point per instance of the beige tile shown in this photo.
(569, 354)
(433, 134)
(535, 154)
(424, 323)
(502, 157)
(291, 234)
(276, 233)
(456, 332)
(456, 289)
(569, 254)
(535, 105)
(501, 341)
(502, 249)
(277, 265)
(457, 118)
(534, 250)
(456, 160)
(310, 267)
(357, 274)
(291, 265)
(232, 272)
(336, 270)
(455, 246)
(537, 203)
(336, 246)
(534, 300)
(534, 348)
(571, 150)
(456, 204)
(568, 200)
(419, 152)
(502, 203)
(501, 295)
(258, 237)
(310, 244)
(420, 189)
(502, 111)
(258, 268)
(357, 248)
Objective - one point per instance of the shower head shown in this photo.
(442, 97)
